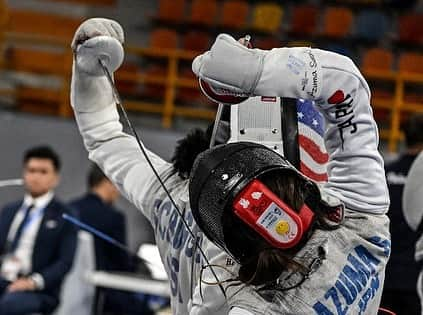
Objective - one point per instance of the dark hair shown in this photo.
(195, 142)
(264, 263)
(187, 150)
(413, 130)
(95, 176)
(42, 152)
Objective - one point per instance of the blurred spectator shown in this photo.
(96, 209)
(399, 294)
(36, 245)
(413, 211)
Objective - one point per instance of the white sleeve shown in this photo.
(355, 169)
(116, 152)
(239, 311)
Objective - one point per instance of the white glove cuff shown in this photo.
(220, 68)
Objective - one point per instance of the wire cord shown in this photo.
(133, 131)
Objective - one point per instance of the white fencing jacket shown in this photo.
(350, 278)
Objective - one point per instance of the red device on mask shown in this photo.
(268, 215)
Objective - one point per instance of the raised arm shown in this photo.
(116, 152)
(355, 168)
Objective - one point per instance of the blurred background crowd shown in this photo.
(383, 37)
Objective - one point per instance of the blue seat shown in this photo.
(371, 25)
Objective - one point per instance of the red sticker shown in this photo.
(268, 98)
(336, 97)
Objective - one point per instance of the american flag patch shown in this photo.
(313, 154)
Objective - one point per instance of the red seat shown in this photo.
(411, 63)
(196, 41)
(377, 59)
(188, 95)
(234, 14)
(203, 12)
(337, 22)
(171, 11)
(161, 39)
(304, 20)
(164, 38)
(410, 28)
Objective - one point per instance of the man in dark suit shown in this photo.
(96, 209)
(36, 245)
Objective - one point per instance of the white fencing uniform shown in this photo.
(350, 279)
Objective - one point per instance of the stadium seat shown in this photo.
(58, 27)
(43, 89)
(203, 13)
(371, 25)
(410, 28)
(410, 63)
(234, 14)
(377, 59)
(196, 41)
(126, 79)
(304, 20)
(41, 80)
(163, 38)
(160, 39)
(171, 11)
(186, 96)
(4, 14)
(267, 17)
(337, 22)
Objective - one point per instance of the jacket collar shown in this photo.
(38, 202)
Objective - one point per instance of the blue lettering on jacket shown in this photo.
(169, 227)
(359, 279)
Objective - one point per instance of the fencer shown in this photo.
(350, 258)
(273, 220)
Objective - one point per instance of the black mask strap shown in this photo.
(289, 120)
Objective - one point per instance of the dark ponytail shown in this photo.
(267, 267)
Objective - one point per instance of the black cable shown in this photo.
(119, 103)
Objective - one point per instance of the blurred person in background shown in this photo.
(96, 209)
(36, 245)
(412, 203)
(399, 293)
